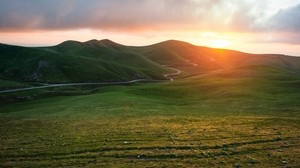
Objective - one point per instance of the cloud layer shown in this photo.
(287, 20)
(273, 21)
(215, 15)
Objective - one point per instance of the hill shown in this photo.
(75, 62)
(226, 108)
(244, 115)
(185, 55)
(106, 61)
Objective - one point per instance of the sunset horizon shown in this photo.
(248, 26)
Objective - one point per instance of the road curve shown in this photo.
(167, 76)
(80, 84)
(172, 74)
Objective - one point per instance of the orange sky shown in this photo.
(270, 26)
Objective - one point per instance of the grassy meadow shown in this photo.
(246, 116)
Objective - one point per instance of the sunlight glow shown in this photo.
(220, 43)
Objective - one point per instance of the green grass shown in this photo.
(232, 110)
(75, 62)
(246, 116)
(104, 60)
(6, 84)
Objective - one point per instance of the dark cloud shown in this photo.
(113, 15)
(286, 20)
(284, 26)
(120, 15)
(30, 14)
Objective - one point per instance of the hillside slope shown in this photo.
(105, 60)
(248, 114)
(75, 62)
(184, 56)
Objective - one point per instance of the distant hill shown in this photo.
(105, 60)
(72, 61)
(208, 59)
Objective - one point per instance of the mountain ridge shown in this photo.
(105, 60)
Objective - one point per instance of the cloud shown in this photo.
(122, 14)
(156, 16)
(30, 14)
(286, 20)
(283, 26)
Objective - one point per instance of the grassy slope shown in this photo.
(79, 62)
(176, 53)
(245, 113)
(105, 60)
(6, 84)
(248, 115)
(180, 55)
(112, 53)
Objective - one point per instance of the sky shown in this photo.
(255, 26)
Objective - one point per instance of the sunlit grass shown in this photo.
(171, 141)
(227, 118)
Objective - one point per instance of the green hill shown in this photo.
(75, 62)
(183, 55)
(246, 115)
(233, 109)
(105, 60)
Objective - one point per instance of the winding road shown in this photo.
(80, 84)
(167, 76)
(172, 74)
(99, 83)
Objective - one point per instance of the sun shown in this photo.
(220, 43)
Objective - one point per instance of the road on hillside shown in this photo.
(172, 74)
(80, 84)
(101, 83)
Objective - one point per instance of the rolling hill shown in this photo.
(75, 62)
(106, 61)
(225, 108)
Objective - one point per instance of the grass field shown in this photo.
(239, 117)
